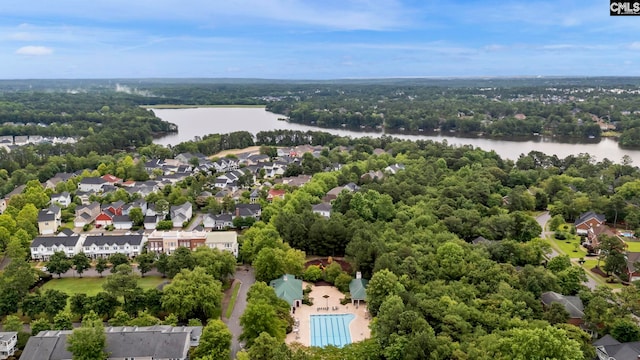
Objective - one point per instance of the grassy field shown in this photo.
(92, 286)
(171, 106)
(568, 248)
(232, 301)
(633, 246)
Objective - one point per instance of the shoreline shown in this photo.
(177, 106)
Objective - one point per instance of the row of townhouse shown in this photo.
(169, 241)
(94, 246)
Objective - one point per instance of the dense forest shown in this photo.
(570, 108)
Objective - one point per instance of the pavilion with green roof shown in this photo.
(358, 289)
(289, 289)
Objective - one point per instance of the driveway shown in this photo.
(244, 274)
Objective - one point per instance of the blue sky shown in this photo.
(314, 39)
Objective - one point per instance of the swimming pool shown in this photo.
(331, 329)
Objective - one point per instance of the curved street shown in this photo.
(543, 219)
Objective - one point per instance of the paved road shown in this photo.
(543, 219)
(245, 275)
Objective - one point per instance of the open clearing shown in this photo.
(92, 286)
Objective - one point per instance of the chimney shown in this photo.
(237, 212)
(358, 275)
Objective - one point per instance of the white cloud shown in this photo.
(34, 50)
(634, 45)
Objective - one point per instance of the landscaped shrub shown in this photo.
(313, 273)
(560, 235)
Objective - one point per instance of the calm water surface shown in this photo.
(202, 121)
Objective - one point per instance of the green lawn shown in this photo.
(633, 246)
(92, 286)
(568, 248)
(232, 301)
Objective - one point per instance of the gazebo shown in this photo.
(288, 288)
(357, 288)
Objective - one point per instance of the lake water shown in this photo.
(194, 122)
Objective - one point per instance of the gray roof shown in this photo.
(55, 240)
(115, 239)
(66, 232)
(572, 304)
(617, 350)
(121, 219)
(93, 180)
(322, 207)
(588, 215)
(7, 335)
(157, 342)
(150, 219)
(46, 215)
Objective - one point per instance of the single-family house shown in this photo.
(139, 204)
(254, 197)
(217, 222)
(8, 341)
(162, 342)
(42, 247)
(7, 198)
(394, 169)
(248, 210)
(56, 179)
(111, 179)
(358, 289)
(572, 304)
(92, 184)
(150, 222)
(104, 219)
(588, 220)
(49, 220)
(323, 209)
(223, 240)
(3, 205)
(181, 214)
(372, 176)
(592, 240)
(86, 214)
(608, 348)
(288, 288)
(102, 246)
(632, 272)
(275, 194)
(122, 222)
(63, 199)
(114, 208)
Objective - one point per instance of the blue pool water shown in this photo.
(331, 330)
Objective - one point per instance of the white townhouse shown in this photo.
(8, 341)
(42, 247)
(223, 240)
(102, 246)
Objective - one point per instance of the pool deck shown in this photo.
(359, 327)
